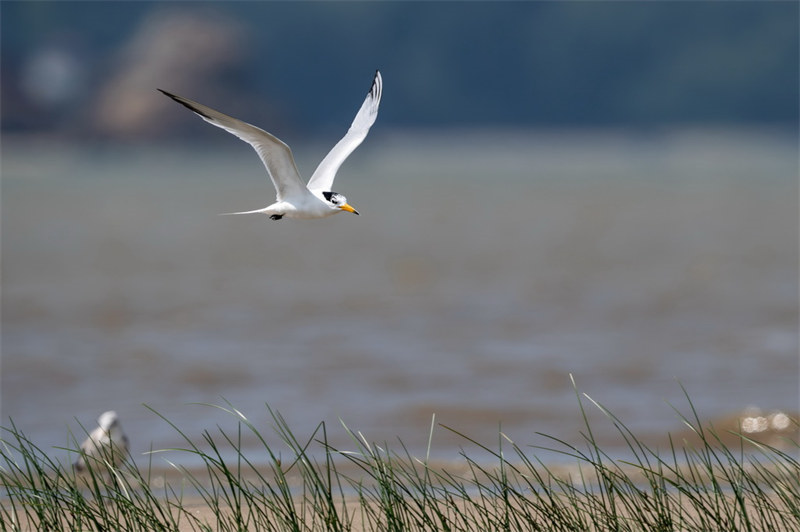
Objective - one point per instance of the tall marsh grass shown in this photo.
(708, 485)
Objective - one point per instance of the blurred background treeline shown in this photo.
(92, 68)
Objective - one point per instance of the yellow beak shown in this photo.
(348, 208)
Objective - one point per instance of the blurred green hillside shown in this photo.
(447, 63)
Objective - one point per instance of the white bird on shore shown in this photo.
(107, 443)
(294, 199)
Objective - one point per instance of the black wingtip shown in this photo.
(184, 102)
(169, 94)
(375, 89)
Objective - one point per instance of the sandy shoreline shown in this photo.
(359, 516)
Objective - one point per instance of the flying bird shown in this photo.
(107, 443)
(295, 199)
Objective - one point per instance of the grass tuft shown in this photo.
(703, 485)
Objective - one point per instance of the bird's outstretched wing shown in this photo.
(322, 180)
(274, 153)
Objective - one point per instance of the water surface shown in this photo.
(484, 270)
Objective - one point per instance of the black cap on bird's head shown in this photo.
(339, 201)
